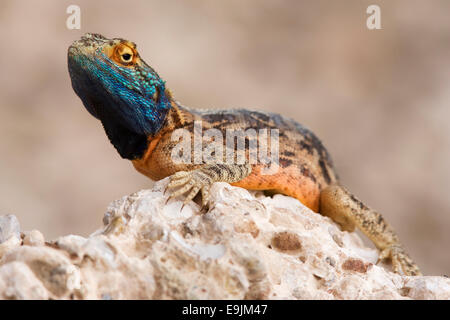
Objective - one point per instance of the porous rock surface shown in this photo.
(247, 246)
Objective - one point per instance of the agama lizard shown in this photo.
(139, 115)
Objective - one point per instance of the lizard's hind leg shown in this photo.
(349, 212)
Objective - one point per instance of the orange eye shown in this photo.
(124, 55)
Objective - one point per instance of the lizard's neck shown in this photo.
(131, 145)
(177, 117)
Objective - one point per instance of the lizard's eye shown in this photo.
(126, 57)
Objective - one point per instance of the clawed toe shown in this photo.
(190, 182)
(401, 262)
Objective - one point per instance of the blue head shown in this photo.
(116, 85)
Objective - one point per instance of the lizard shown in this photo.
(140, 116)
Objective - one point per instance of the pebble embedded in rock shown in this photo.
(286, 241)
(33, 238)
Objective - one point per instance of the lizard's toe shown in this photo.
(185, 187)
(178, 179)
(205, 197)
(401, 262)
(192, 182)
(192, 193)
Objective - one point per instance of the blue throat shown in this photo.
(131, 103)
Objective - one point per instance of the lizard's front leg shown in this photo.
(201, 179)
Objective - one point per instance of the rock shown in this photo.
(33, 238)
(247, 246)
(9, 227)
(17, 281)
(9, 233)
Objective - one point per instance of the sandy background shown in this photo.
(378, 99)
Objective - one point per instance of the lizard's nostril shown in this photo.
(73, 49)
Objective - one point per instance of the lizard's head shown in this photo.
(116, 85)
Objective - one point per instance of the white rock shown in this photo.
(17, 281)
(246, 247)
(33, 238)
(9, 227)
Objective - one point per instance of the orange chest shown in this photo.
(148, 165)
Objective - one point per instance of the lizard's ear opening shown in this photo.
(169, 94)
(155, 96)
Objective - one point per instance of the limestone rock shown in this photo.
(9, 233)
(9, 227)
(33, 238)
(247, 246)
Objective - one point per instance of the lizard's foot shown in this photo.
(192, 182)
(400, 260)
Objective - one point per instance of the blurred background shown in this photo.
(379, 100)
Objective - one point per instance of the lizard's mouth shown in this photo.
(73, 49)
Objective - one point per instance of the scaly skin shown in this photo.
(140, 117)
